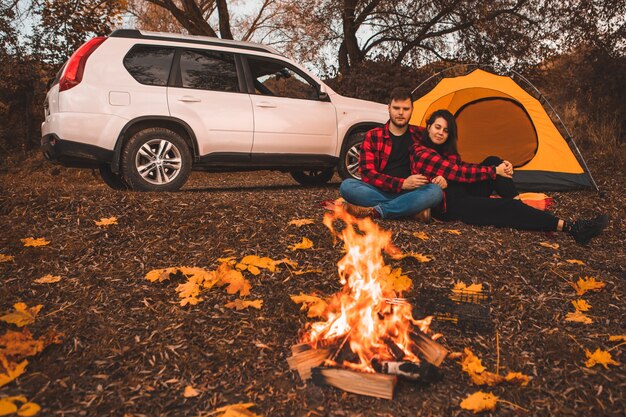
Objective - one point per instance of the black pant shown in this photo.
(471, 204)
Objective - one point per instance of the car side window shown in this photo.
(149, 64)
(273, 78)
(209, 70)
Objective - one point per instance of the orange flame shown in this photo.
(363, 312)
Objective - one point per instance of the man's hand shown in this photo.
(440, 181)
(414, 181)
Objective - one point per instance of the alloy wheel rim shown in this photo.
(158, 161)
(352, 160)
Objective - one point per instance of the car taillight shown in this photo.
(73, 74)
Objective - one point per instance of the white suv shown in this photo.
(146, 108)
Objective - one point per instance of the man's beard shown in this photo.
(400, 126)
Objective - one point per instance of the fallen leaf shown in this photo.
(575, 261)
(397, 281)
(6, 258)
(453, 231)
(29, 241)
(305, 244)
(241, 304)
(235, 410)
(307, 271)
(300, 222)
(578, 317)
(28, 409)
(587, 284)
(106, 221)
(471, 362)
(20, 344)
(549, 245)
(463, 287)
(288, 262)
(517, 378)
(190, 392)
(421, 235)
(617, 338)
(48, 279)
(9, 370)
(581, 305)
(479, 402)
(599, 357)
(236, 283)
(227, 259)
(22, 315)
(160, 274)
(315, 305)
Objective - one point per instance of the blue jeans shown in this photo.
(391, 205)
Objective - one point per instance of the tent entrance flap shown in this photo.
(496, 126)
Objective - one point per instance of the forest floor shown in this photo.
(127, 348)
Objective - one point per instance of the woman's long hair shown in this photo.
(449, 146)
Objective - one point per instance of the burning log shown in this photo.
(370, 384)
(423, 371)
(305, 357)
(427, 348)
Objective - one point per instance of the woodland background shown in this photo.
(573, 51)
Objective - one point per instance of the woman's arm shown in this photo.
(428, 162)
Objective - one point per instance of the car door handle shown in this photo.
(189, 99)
(266, 104)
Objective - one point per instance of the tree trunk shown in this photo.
(222, 11)
(352, 50)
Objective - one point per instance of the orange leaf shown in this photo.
(235, 410)
(617, 338)
(471, 362)
(453, 231)
(6, 258)
(305, 244)
(236, 283)
(241, 304)
(581, 305)
(549, 245)
(421, 235)
(48, 279)
(578, 317)
(314, 304)
(479, 402)
(190, 392)
(20, 344)
(517, 377)
(575, 261)
(599, 357)
(29, 241)
(9, 371)
(22, 315)
(307, 271)
(587, 284)
(301, 222)
(106, 222)
(28, 410)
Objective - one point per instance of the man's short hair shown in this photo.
(400, 94)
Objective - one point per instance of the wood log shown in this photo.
(304, 360)
(370, 384)
(431, 351)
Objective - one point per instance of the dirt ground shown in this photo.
(129, 348)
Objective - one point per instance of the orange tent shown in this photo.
(496, 116)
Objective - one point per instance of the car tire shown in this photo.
(314, 176)
(112, 179)
(349, 158)
(156, 159)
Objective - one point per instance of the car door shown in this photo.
(289, 117)
(206, 94)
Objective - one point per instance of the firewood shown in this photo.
(370, 384)
(423, 371)
(304, 360)
(431, 351)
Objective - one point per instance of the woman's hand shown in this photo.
(502, 169)
(440, 181)
(414, 181)
(509, 167)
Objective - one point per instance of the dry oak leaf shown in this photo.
(6, 258)
(453, 231)
(587, 284)
(29, 241)
(190, 392)
(479, 402)
(106, 221)
(22, 315)
(617, 338)
(581, 305)
(421, 235)
(241, 304)
(314, 304)
(48, 279)
(301, 222)
(305, 244)
(599, 357)
(235, 410)
(549, 245)
(575, 261)
(9, 370)
(578, 317)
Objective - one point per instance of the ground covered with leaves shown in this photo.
(101, 339)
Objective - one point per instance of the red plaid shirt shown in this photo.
(375, 153)
(428, 162)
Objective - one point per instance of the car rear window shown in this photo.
(149, 64)
(209, 70)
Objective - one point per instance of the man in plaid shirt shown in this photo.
(388, 190)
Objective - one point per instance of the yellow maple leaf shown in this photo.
(20, 344)
(395, 279)
(471, 362)
(6, 258)
(9, 370)
(190, 392)
(28, 409)
(22, 315)
(305, 244)
(189, 289)
(315, 305)
(453, 231)
(190, 300)
(587, 284)
(228, 259)
(236, 283)
(106, 221)
(29, 241)
(599, 357)
(241, 304)
(235, 410)
(517, 378)
(617, 338)
(300, 222)
(307, 271)
(575, 261)
(581, 305)
(479, 402)
(258, 263)
(48, 279)
(549, 245)
(421, 235)
(160, 274)
(578, 317)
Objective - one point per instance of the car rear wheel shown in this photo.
(313, 177)
(111, 179)
(349, 158)
(156, 159)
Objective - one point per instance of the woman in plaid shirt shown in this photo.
(468, 187)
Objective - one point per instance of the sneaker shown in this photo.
(584, 230)
(360, 211)
(423, 216)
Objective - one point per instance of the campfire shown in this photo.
(369, 336)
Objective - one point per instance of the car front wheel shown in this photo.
(313, 177)
(349, 158)
(156, 159)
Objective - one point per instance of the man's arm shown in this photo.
(369, 165)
